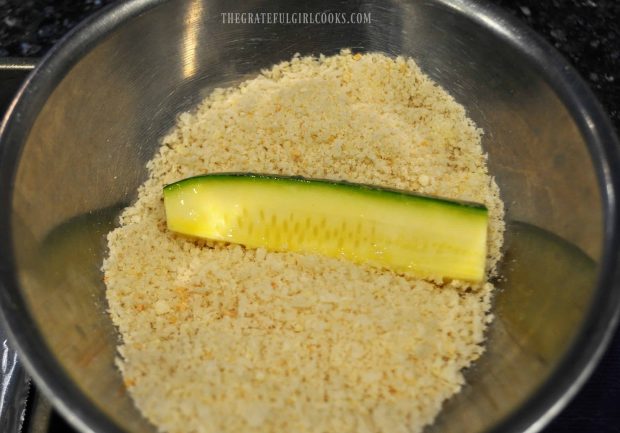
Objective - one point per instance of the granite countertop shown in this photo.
(30, 27)
(586, 32)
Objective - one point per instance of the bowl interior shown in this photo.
(101, 118)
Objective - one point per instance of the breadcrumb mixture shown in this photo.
(217, 338)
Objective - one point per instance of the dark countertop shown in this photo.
(30, 27)
(586, 32)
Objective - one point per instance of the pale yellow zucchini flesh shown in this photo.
(423, 236)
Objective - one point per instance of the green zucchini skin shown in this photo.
(358, 188)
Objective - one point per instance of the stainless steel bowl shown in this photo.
(76, 139)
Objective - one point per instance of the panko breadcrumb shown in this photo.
(218, 338)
